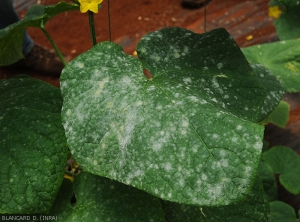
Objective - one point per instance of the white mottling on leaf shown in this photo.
(187, 80)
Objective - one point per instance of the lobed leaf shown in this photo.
(281, 58)
(185, 135)
(285, 162)
(33, 149)
(11, 37)
(281, 211)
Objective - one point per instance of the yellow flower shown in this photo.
(91, 5)
(275, 11)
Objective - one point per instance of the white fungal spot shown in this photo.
(79, 64)
(187, 80)
(215, 136)
(101, 86)
(185, 123)
(239, 127)
(176, 55)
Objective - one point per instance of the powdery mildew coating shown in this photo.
(177, 136)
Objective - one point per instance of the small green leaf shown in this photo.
(281, 58)
(279, 116)
(185, 135)
(287, 25)
(285, 162)
(255, 209)
(33, 147)
(11, 37)
(101, 199)
(268, 180)
(281, 211)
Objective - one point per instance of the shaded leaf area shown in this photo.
(279, 116)
(281, 211)
(281, 58)
(255, 209)
(12, 37)
(290, 3)
(33, 148)
(268, 181)
(285, 162)
(101, 199)
(153, 133)
(287, 25)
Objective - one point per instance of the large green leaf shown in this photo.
(282, 58)
(281, 211)
(33, 148)
(12, 37)
(101, 199)
(185, 135)
(255, 209)
(285, 162)
(287, 25)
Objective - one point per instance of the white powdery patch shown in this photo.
(224, 163)
(215, 136)
(239, 127)
(193, 98)
(101, 85)
(220, 65)
(258, 146)
(168, 167)
(185, 123)
(222, 153)
(79, 64)
(124, 135)
(187, 80)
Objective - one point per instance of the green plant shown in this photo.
(182, 144)
(285, 164)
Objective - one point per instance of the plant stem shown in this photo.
(58, 52)
(92, 28)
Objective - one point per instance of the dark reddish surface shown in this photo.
(131, 19)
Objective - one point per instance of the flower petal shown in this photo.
(84, 7)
